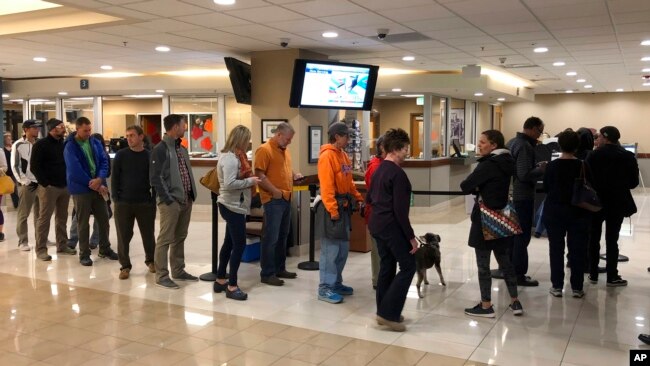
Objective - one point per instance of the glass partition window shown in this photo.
(457, 131)
(201, 114)
(74, 108)
(120, 112)
(438, 118)
(13, 117)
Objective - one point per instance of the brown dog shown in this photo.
(427, 256)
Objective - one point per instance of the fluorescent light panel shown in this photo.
(23, 6)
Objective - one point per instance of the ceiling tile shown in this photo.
(167, 25)
(166, 8)
(212, 20)
(127, 13)
(389, 4)
(265, 14)
(407, 14)
(299, 26)
(357, 20)
(324, 8)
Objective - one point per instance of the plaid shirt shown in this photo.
(182, 167)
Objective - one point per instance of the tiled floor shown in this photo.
(61, 313)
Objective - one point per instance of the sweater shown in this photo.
(370, 171)
(335, 177)
(47, 162)
(526, 174)
(390, 195)
(234, 192)
(130, 180)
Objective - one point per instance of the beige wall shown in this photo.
(627, 111)
(396, 113)
(237, 114)
(483, 118)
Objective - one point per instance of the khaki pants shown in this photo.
(174, 221)
(53, 200)
(27, 199)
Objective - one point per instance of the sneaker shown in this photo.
(617, 282)
(526, 281)
(66, 251)
(478, 310)
(218, 288)
(152, 267)
(124, 273)
(167, 283)
(86, 261)
(557, 292)
(593, 279)
(24, 247)
(578, 294)
(110, 254)
(286, 274)
(394, 326)
(186, 277)
(273, 281)
(44, 256)
(343, 290)
(237, 294)
(516, 308)
(329, 296)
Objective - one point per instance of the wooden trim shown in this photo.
(426, 163)
(203, 163)
(643, 156)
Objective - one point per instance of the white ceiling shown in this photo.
(599, 39)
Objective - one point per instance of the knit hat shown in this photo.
(31, 123)
(339, 128)
(611, 133)
(52, 123)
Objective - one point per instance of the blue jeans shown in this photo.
(277, 221)
(233, 244)
(333, 255)
(519, 252)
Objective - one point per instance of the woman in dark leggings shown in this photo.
(490, 182)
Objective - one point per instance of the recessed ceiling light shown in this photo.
(502, 99)
(224, 2)
(39, 59)
(559, 63)
(479, 94)
(408, 58)
(5, 95)
(412, 95)
(397, 90)
(569, 91)
(645, 43)
(63, 93)
(162, 49)
(106, 67)
(330, 34)
(588, 86)
(646, 84)
(571, 73)
(580, 81)
(646, 70)
(160, 90)
(647, 58)
(619, 90)
(540, 50)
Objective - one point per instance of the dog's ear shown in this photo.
(428, 237)
(438, 238)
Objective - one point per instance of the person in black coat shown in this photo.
(490, 182)
(615, 172)
(562, 219)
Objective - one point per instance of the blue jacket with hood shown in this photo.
(77, 168)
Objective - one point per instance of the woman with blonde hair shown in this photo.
(235, 181)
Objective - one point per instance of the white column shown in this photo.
(98, 114)
(426, 127)
(221, 122)
(26, 111)
(58, 108)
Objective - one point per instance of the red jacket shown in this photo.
(370, 171)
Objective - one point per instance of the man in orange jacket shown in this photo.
(339, 196)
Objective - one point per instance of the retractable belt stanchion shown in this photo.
(212, 276)
(311, 264)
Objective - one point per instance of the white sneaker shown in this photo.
(24, 247)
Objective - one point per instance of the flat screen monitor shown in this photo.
(630, 147)
(240, 78)
(455, 144)
(332, 85)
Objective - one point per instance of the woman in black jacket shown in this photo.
(490, 182)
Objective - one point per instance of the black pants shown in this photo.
(519, 256)
(392, 288)
(613, 224)
(563, 221)
(125, 216)
(502, 256)
(234, 244)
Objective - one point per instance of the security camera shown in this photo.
(284, 42)
(382, 33)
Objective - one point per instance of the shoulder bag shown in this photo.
(210, 180)
(7, 185)
(497, 224)
(584, 196)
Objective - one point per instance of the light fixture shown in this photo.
(142, 96)
(479, 94)
(588, 86)
(224, 2)
(396, 90)
(502, 99)
(39, 59)
(645, 43)
(646, 84)
(540, 50)
(580, 81)
(162, 49)
(106, 67)
(559, 63)
(62, 93)
(408, 58)
(619, 90)
(197, 72)
(569, 91)
(647, 58)
(5, 95)
(412, 95)
(160, 90)
(571, 73)
(646, 70)
(330, 34)
(113, 75)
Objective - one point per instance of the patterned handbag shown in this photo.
(499, 224)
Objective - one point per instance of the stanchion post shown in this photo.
(311, 264)
(212, 276)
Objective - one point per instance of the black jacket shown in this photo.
(47, 163)
(522, 149)
(615, 172)
(490, 180)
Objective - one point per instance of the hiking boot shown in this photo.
(286, 274)
(110, 254)
(152, 267)
(394, 326)
(167, 283)
(86, 261)
(24, 247)
(124, 273)
(616, 282)
(186, 277)
(557, 292)
(44, 256)
(343, 290)
(478, 310)
(237, 294)
(329, 296)
(66, 251)
(273, 281)
(516, 308)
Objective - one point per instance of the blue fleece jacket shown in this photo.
(77, 168)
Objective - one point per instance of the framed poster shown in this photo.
(457, 125)
(315, 134)
(269, 126)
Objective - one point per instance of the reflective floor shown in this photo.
(60, 313)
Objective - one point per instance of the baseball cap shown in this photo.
(32, 123)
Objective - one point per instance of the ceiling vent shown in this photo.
(517, 66)
(544, 79)
(402, 37)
